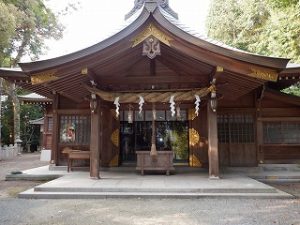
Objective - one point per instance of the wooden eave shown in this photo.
(13, 75)
(280, 96)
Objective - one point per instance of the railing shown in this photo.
(8, 152)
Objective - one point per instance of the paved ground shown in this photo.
(204, 211)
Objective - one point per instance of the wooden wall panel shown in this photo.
(280, 112)
(224, 154)
(105, 150)
(246, 101)
(243, 154)
(281, 154)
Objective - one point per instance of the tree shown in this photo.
(24, 26)
(29, 23)
(269, 27)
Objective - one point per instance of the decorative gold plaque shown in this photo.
(151, 30)
(264, 74)
(194, 137)
(194, 161)
(115, 137)
(43, 77)
(114, 161)
(191, 114)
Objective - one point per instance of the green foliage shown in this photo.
(179, 140)
(26, 24)
(7, 129)
(266, 27)
(30, 133)
(7, 26)
(28, 112)
(293, 90)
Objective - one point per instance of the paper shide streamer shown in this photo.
(117, 104)
(141, 103)
(197, 104)
(172, 105)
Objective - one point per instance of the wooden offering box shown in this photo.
(162, 162)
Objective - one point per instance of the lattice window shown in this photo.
(75, 129)
(50, 124)
(281, 132)
(236, 128)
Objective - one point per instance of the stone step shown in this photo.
(31, 194)
(286, 178)
(279, 167)
(153, 190)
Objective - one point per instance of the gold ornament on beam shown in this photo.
(151, 30)
(40, 78)
(264, 74)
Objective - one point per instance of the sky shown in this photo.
(96, 20)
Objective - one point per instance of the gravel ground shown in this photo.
(22, 162)
(150, 212)
(202, 211)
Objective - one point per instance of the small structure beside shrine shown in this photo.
(156, 86)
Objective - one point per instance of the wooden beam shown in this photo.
(152, 67)
(213, 152)
(95, 143)
(150, 80)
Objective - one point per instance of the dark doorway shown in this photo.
(170, 135)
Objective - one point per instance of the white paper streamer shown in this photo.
(172, 105)
(117, 104)
(141, 103)
(197, 104)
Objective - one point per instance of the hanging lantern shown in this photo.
(93, 103)
(213, 101)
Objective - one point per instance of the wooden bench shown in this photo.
(75, 154)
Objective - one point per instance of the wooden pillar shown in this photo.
(55, 132)
(259, 139)
(213, 153)
(96, 137)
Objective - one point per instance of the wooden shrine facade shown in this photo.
(231, 106)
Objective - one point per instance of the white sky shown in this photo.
(95, 20)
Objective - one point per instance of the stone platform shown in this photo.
(124, 184)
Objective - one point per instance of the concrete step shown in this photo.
(31, 194)
(153, 190)
(31, 177)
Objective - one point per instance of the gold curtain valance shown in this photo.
(152, 96)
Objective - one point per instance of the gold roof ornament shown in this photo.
(151, 30)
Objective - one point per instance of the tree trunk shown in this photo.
(16, 105)
(1, 88)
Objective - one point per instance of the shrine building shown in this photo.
(157, 95)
